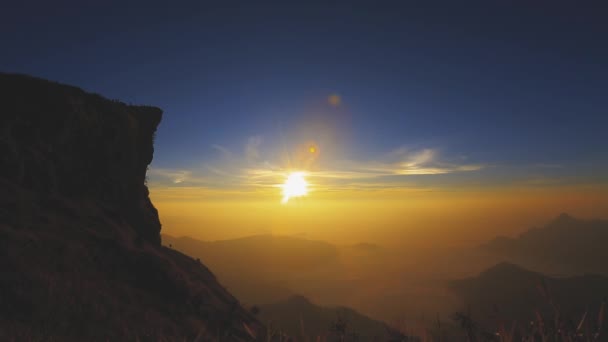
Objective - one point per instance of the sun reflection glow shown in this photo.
(295, 186)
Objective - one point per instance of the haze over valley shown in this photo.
(298, 171)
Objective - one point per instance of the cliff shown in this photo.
(57, 139)
(80, 252)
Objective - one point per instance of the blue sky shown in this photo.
(485, 92)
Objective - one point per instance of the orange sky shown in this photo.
(425, 217)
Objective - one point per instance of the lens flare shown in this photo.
(295, 186)
(334, 100)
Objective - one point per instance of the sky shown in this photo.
(406, 117)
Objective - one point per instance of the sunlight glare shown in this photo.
(295, 186)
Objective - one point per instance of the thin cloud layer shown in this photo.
(251, 171)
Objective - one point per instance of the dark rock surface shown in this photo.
(57, 139)
(80, 252)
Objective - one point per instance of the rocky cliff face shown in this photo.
(80, 253)
(57, 139)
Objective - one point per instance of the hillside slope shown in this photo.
(565, 245)
(80, 249)
(237, 255)
(287, 261)
(297, 316)
(512, 292)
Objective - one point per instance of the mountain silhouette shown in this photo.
(80, 247)
(283, 257)
(298, 316)
(509, 291)
(295, 253)
(366, 247)
(565, 245)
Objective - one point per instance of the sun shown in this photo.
(295, 186)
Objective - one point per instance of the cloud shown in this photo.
(547, 166)
(172, 175)
(252, 148)
(405, 162)
(248, 172)
(540, 181)
(223, 150)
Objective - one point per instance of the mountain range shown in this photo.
(82, 257)
(508, 291)
(299, 317)
(564, 246)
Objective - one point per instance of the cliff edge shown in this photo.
(80, 248)
(60, 140)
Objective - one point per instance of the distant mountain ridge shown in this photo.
(275, 252)
(280, 308)
(510, 291)
(282, 257)
(565, 245)
(298, 316)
